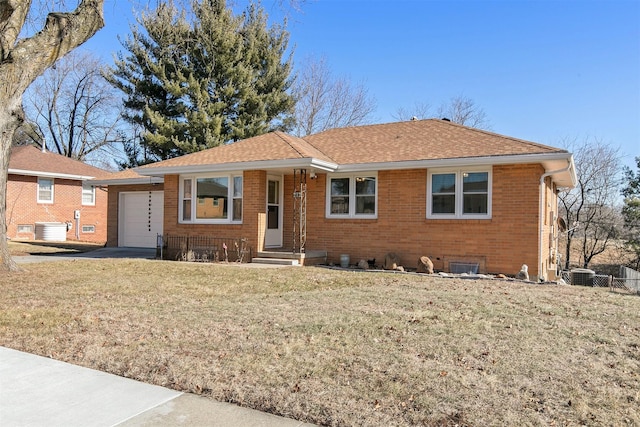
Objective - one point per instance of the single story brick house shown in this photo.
(51, 197)
(461, 196)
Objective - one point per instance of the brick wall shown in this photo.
(500, 245)
(23, 208)
(253, 212)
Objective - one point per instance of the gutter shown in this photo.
(542, 213)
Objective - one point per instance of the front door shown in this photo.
(273, 234)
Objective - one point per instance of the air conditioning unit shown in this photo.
(582, 276)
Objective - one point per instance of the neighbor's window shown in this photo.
(212, 195)
(463, 194)
(88, 194)
(25, 228)
(352, 196)
(45, 190)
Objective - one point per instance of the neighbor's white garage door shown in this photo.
(140, 218)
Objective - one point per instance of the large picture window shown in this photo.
(463, 194)
(352, 196)
(211, 199)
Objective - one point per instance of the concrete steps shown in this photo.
(283, 257)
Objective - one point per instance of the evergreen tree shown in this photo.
(209, 80)
(631, 211)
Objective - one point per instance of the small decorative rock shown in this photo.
(363, 264)
(501, 276)
(399, 268)
(523, 274)
(391, 261)
(425, 265)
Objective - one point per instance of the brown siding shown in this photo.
(23, 208)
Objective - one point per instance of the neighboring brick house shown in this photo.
(46, 190)
(426, 187)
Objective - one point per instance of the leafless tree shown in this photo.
(420, 111)
(325, 102)
(459, 109)
(76, 109)
(591, 209)
(23, 57)
(464, 111)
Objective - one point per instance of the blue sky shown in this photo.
(545, 71)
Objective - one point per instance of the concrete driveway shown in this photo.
(140, 253)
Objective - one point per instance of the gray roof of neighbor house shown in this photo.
(401, 145)
(28, 160)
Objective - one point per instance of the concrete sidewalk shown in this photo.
(38, 391)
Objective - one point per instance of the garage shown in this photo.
(140, 216)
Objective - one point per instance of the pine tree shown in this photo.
(205, 81)
(631, 211)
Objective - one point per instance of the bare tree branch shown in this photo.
(325, 102)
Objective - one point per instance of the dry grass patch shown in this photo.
(340, 348)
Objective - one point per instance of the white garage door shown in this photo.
(140, 218)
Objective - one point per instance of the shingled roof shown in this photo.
(418, 140)
(28, 160)
(410, 144)
(272, 146)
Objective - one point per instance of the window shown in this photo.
(212, 195)
(353, 196)
(25, 229)
(88, 228)
(88, 194)
(459, 194)
(45, 190)
(237, 198)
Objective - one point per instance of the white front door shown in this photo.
(273, 234)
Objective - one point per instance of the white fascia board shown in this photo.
(49, 174)
(238, 166)
(548, 160)
(128, 181)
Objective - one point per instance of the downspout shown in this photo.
(542, 213)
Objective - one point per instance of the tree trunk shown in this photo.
(21, 62)
(10, 120)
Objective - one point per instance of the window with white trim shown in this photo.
(45, 190)
(459, 194)
(88, 194)
(210, 199)
(352, 196)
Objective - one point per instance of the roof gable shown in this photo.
(28, 160)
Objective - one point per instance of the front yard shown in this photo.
(339, 348)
